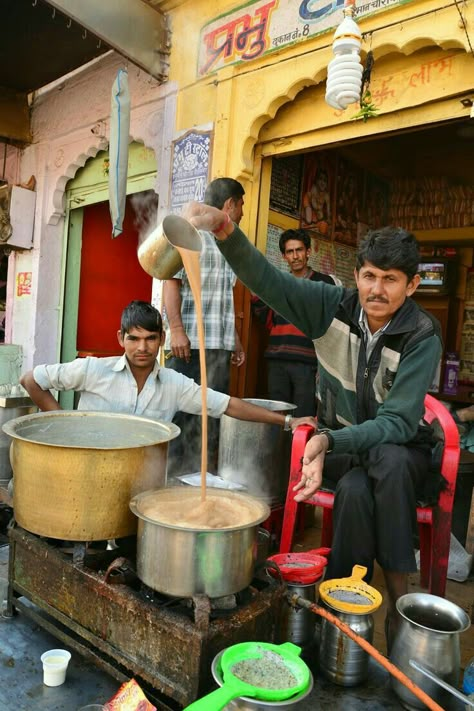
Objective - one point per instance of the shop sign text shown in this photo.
(267, 25)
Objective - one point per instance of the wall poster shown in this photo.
(349, 194)
(318, 189)
(345, 261)
(272, 251)
(23, 283)
(323, 256)
(285, 185)
(190, 162)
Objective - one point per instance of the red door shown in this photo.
(111, 277)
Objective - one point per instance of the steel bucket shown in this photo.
(256, 454)
(183, 562)
(158, 255)
(75, 472)
(342, 660)
(297, 625)
(429, 634)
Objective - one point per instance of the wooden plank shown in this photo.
(470, 529)
(14, 116)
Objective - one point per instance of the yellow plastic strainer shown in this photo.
(351, 594)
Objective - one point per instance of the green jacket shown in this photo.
(363, 403)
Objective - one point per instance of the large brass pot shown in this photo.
(75, 472)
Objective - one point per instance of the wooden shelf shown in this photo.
(464, 395)
(448, 236)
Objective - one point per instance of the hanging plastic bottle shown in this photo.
(344, 79)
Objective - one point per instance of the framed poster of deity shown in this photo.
(348, 199)
(319, 178)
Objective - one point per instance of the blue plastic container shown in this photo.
(468, 679)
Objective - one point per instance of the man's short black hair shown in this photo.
(141, 314)
(300, 235)
(390, 248)
(220, 190)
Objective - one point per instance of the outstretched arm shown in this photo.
(242, 410)
(42, 398)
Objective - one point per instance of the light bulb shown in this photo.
(344, 78)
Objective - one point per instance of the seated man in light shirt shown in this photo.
(134, 383)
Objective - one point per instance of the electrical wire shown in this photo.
(464, 26)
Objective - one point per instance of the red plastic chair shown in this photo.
(434, 522)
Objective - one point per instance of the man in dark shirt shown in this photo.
(292, 362)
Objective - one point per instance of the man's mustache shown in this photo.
(378, 299)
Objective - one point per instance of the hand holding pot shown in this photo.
(205, 217)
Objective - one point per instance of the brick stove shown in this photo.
(128, 629)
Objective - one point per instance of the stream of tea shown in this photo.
(193, 270)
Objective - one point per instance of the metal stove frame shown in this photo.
(123, 632)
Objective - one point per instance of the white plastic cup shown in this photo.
(55, 663)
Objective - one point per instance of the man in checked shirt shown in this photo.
(222, 343)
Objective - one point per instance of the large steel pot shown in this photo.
(75, 472)
(256, 454)
(184, 562)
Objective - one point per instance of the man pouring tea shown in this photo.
(377, 352)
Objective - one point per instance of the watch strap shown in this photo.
(287, 425)
(330, 439)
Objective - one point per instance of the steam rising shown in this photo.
(145, 207)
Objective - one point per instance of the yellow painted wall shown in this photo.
(243, 98)
(275, 104)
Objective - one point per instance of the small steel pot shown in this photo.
(158, 255)
(429, 633)
(183, 562)
(245, 703)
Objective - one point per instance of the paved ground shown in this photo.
(21, 689)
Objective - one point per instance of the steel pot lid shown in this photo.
(90, 430)
(352, 595)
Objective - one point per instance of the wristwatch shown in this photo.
(287, 425)
(330, 439)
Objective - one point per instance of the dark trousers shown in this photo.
(184, 454)
(293, 382)
(375, 508)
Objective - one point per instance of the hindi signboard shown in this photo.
(191, 159)
(263, 26)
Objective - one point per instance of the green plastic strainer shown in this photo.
(271, 660)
